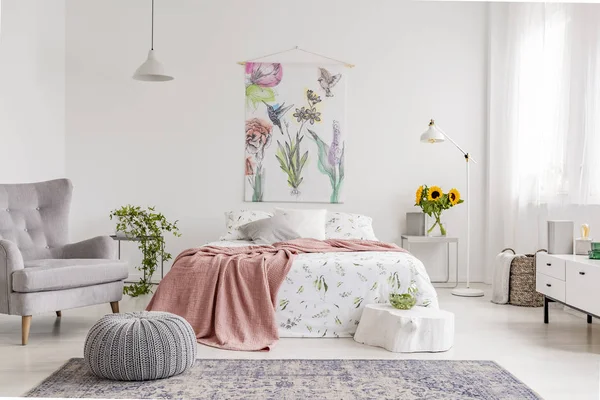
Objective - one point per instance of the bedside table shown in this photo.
(406, 240)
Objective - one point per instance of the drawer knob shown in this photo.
(549, 285)
(549, 264)
(581, 273)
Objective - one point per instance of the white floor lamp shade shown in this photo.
(432, 134)
(151, 70)
(435, 135)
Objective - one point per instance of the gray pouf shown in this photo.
(140, 346)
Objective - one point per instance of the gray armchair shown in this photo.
(39, 270)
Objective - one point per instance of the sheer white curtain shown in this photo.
(544, 120)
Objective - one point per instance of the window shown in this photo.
(556, 104)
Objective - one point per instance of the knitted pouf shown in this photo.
(140, 346)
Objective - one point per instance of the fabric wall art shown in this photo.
(295, 132)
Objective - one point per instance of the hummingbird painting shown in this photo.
(276, 112)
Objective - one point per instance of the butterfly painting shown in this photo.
(328, 81)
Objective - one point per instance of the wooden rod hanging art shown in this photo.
(296, 48)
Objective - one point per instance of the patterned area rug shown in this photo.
(301, 379)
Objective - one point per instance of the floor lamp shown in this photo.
(433, 134)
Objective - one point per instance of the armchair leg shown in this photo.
(25, 325)
(115, 307)
(59, 314)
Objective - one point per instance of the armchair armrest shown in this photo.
(11, 260)
(98, 247)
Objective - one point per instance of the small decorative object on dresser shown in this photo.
(583, 244)
(419, 329)
(594, 253)
(571, 280)
(560, 237)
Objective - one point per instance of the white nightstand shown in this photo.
(406, 241)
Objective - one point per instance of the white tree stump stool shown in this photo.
(419, 329)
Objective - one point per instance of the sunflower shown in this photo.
(435, 193)
(419, 195)
(454, 196)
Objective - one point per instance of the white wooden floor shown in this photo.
(559, 361)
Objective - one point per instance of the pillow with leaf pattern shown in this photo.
(235, 219)
(349, 226)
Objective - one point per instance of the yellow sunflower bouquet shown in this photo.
(433, 201)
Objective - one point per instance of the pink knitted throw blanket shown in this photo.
(228, 294)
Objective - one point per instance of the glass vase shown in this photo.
(435, 225)
(404, 301)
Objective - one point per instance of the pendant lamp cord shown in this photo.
(152, 32)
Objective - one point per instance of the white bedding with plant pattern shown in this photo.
(324, 294)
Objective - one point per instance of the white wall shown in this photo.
(32, 90)
(179, 145)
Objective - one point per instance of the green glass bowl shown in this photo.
(594, 254)
(596, 246)
(402, 301)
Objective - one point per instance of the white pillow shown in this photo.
(269, 230)
(349, 226)
(307, 223)
(235, 219)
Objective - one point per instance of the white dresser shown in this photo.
(571, 280)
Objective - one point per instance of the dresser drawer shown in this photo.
(550, 286)
(551, 266)
(582, 289)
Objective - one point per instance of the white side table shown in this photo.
(420, 329)
(407, 240)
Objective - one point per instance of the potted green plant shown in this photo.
(148, 227)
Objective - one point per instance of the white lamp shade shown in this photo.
(432, 135)
(151, 70)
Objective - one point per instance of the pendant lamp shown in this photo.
(152, 70)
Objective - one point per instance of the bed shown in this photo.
(324, 294)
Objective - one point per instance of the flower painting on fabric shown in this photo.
(295, 132)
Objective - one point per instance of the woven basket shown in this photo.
(522, 282)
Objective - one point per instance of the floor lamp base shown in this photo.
(467, 292)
